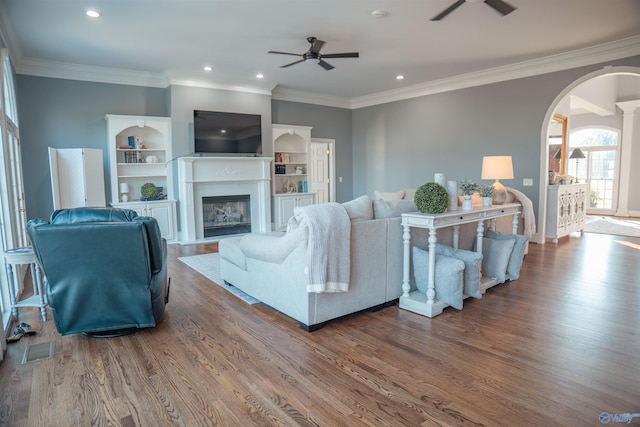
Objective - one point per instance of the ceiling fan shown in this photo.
(313, 55)
(498, 5)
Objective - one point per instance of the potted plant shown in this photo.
(431, 198)
(486, 191)
(467, 187)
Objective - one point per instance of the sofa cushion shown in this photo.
(472, 264)
(496, 254)
(448, 276)
(359, 209)
(517, 254)
(274, 247)
(392, 208)
(384, 195)
(409, 194)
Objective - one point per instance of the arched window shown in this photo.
(595, 156)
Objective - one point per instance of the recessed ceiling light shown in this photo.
(379, 13)
(223, 131)
(208, 68)
(93, 14)
(400, 77)
(259, 76)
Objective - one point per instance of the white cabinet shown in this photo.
(163, 211)
(284, 204)
(140, 153)
(77, 177)
(566, 209)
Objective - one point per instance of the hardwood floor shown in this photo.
(557, 347)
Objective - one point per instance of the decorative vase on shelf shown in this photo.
(438, 178)
(467, 204)
(452, 189)
(486, 201)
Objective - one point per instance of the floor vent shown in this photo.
(36, 352)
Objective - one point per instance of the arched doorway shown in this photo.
(609, 79)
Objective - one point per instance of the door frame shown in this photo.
(544, 144)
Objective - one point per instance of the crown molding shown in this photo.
(548, 64)
(210, 85)
(282, 94)
(89, 73)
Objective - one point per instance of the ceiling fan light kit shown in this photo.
(313, 55)
(499, 5)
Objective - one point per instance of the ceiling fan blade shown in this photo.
(284, 53)
(316, 46)
(342, 55)
(325, 65)
(500, 6)
(293, 63)
(448, 10)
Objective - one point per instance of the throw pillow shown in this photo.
(496, 254)
(472, 264)
(359, 209)
(392, 208)
(382, 195)
(409, 194)
(448, 277)
(517, 255)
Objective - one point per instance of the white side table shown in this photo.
(20, 256)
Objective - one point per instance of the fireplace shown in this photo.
(203, 177)
(222, 215)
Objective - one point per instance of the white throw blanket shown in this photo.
(329, 250)
(528, 216)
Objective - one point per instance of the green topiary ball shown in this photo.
(431, 198)
(149, 191)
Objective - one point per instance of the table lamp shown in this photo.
(124, 189)
(577, 153)
(497, 167)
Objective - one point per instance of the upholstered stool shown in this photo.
(21, 256)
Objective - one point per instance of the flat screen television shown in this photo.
(220, 133)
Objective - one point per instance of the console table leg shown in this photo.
(514, 224)
(406, 241)
(479, 235)
(456, 236)
(431, 287)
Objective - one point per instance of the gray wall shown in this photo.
(327, 122)
(402, 144)
(71, 114)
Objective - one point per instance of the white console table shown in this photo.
(427, 304)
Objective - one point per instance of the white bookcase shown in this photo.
(290, 167)
(145, 160)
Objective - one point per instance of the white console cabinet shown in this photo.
(284, 204)
(566, 209)
(162, 210)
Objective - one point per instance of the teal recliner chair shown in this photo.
(105, 270)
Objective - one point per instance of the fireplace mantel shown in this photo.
(222, 176)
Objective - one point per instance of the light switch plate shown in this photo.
(527, 182)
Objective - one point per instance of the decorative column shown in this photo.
(628, 136)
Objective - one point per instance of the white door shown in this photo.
(321, 169)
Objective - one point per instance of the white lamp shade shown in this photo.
(124, 187)
(497, 167)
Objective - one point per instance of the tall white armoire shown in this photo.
(77, 177)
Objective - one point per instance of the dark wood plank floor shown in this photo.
(557, 347)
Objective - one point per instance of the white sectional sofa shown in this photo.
(271, 267)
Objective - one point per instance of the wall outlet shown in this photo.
(527, 182)
(340, 179)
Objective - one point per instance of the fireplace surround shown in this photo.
(201, 177)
